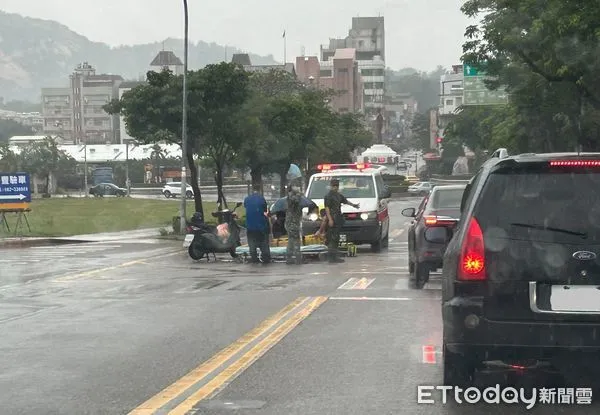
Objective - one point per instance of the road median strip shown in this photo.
(301, 307)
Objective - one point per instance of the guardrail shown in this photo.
(239, 188)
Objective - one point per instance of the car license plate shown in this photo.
(188, 240)
(342, 238)
(575, 298)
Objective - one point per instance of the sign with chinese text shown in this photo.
(15, 190)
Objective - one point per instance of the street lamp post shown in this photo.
(182, 221)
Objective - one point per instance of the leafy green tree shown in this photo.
(9, 161)
(153, 114)
(546, 55)
(44, 159)
(225, 89)
(216, 93)
(296, 121)
(257, 148)
(421, 131)
(340, 135)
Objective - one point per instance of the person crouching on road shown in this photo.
(257, 226)
(335, 219)
(293, 221)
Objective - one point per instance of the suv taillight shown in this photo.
(471, 265)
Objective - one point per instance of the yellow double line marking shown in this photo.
(307, 306)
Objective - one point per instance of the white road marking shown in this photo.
(372, 298)
(348, 284)
(363, 283)
(356, 284)
(396, 232)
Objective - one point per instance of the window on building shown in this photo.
(343, 70)
(449, 102)
(325, 72)
(98, 122)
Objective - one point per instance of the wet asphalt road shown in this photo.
(116, 328)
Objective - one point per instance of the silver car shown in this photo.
(420, 188)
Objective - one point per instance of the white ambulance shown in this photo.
(360, 183)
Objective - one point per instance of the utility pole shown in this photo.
(85, 170)
(127, 183)
(182, 221)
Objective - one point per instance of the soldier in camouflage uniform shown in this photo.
(293, 220)
(333, 207)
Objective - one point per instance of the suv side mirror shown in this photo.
(409, 212)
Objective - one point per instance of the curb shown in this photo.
(27, 242)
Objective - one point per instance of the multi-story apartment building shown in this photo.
(367, 37)
(75, 112)
(340, 74)
(451, 98)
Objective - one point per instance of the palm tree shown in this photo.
(157, 154)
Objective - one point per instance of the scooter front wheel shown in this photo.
(196, 252)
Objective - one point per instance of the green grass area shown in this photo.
(76, 216)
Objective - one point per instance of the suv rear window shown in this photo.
(359, 186)
(525, 204)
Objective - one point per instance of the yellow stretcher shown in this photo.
(347, 247)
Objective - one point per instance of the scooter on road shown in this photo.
(224, 238)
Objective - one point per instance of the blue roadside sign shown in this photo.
(15, 188)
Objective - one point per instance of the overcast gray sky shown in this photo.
(257, 25)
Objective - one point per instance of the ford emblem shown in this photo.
(584, 255)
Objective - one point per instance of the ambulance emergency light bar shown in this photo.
(354, 166)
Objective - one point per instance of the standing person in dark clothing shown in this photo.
(335, 219)
(293, 220)
(257, 226)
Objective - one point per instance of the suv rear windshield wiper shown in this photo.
(545, 228)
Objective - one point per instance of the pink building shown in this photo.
(340, 73)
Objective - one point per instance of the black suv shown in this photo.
(431, 230)
(521, 275)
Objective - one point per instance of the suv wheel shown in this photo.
(458, 370)
(420, 276)
(167, 194)
(189, 194)
(376, 247)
